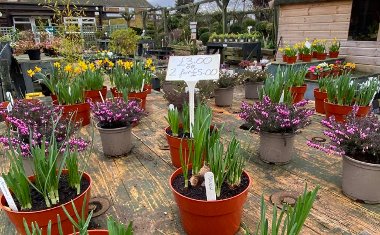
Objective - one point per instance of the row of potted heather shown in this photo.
(246, 37)
(324, 69)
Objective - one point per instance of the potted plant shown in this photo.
(334, 49)
(67, 90)
(276, 120)
(336, 68)
(320, 94)
(306, 51)
(291, 54)
(224, 87)
(27, 44)
(124, 42)
(314, 72)
(299, 47)
(92, 80)
(149, 70)
(245, 64)
(356, 140)
(115, 118)
(178, 131)
(39, 197)
(325, 69)
(284, 56)
(296, 82)
(253, 82)
(131, 76)
(213, 37)
(349, 67)
(31, 117)
(241, 37)
(199, 215)
(319, 46)
(343, 94)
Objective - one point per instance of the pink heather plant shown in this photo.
(266, 116)
(117, 113)
(32, 122)
(358, 138)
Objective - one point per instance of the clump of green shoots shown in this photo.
(74, 175)
(295, 76)
(235, 163)
(185, 117)
(218, 165)
(116, 228)
(276, 89)
(322, 83)
(291, 219)
(173, 119)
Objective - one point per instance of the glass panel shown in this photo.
(23, 27)
(365, 18)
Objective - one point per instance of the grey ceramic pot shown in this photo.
(252, 89)
(116, 141)
(224, 96)
(360, 180)
(276, 147)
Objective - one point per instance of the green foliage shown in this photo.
(124, 41)
(82, 221)
(275, 88)
(217, 27)
(248, 22)
(295, 76)
(173, 120)
(116, 228)
(202, 30)
(341, 90)
(69, 92)
(236, 28)
(291, 219)
(205, 37)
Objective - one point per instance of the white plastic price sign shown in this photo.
(7, 195)
(192, 69)
(210, 186)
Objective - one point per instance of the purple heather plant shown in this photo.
(32, 122)
(117, 113)
(267, 116)
(357, 138)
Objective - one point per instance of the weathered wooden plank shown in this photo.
(320, 11)
(355, 51)
(333, 3)
(361, 44)
(313, 19)
(301, 35)
(340, 26)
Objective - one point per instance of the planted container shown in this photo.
(148, 87)
(333, 54)
(95, 232)
(175, 144)
(321, 56)
(320, 97)
(42, 217)
(224, 96)
(34, 54)
(341, 111)
(306, 58)
(291, 59)
(252, 89)
(139, 95)
(298, 93)
(116, 141)
(80, 112)
(95, 96)
(360, 180)
(220, 217)
(276, 148)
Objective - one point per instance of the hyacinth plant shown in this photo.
(35, 118)
(272, 117)
(357, 138)
(117, 113)
(46, 167)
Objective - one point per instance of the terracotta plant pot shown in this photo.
(224, 96)
(324, 74)
(148, 87)
(341, 111)
(306, 58)
(360, 180)
(3, 107)
(95, 232)
(116, 141)
(321, 56)
(314, 54)
(34, 54)
(140, 95)
(300, 56)
(335, 72)
(42, 217)
(252, 89)
(175, 146)
(284, 58)
(80, 112)
(276, 148)
(333, 54)
(291, 60)
(95, 96)
(313, 76)
(320, 97)
(220, 217)
(298, 93)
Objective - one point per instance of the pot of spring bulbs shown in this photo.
(200, 215)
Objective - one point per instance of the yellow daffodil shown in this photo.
(83, 66)
(110, 64)
(37, 69)
(99, 63)
(153, 68)
(148, 63)
(77, 70)
(119, 62)
(91, 66)
(31, 73)
(68, 68)
(57, 65)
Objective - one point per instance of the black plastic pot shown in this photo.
(156, 85)
(34, 54)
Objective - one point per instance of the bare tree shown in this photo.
(223, 4)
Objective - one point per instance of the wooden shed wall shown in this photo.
(327, 20)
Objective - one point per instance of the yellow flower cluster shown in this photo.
(350, 65)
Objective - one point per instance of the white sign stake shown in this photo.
(101, 97)
(210, 186)
(142, 87)
(192, 69)
(9, 97)
(7, 195)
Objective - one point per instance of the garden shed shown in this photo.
(354, 22)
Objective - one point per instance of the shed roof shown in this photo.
(107, 3)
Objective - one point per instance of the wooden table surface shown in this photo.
(137, 184)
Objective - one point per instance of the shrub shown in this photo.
(203, 30)
(124, 41)
(205, 37)
(236, 28)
